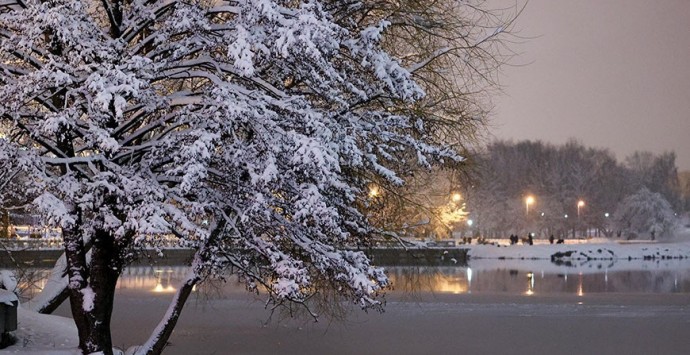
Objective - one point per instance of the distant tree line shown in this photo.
(615, 195)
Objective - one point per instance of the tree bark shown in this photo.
(92, 289)
(106, 266)
(75, 253)
(5, 218)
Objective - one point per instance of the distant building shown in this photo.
(26, 226)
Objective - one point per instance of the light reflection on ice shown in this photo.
(530, 278)
(485, 276)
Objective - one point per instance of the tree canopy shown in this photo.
(249, 130)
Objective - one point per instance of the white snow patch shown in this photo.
(7, 280)
(600, 250)
(7, 297)
(41, 334)
(89, 296)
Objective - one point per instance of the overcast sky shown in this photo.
(610, 73)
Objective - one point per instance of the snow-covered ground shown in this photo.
(600, 249)
(40, 334)
(592, 257)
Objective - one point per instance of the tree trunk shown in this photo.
(75, 253)
(5, 219)
(106, 266)
(54, 303)
(159, 337)
(92, 290)
(55, 291)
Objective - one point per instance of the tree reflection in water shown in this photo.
(412, 283)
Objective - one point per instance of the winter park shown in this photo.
(344, 177)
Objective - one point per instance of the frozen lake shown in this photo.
(489, 307)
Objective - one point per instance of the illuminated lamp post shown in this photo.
(456, 197)
(528, 201)
(580, 204)
(374, 191)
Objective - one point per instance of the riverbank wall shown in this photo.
(379, 256)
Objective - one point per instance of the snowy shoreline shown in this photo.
(598, 250)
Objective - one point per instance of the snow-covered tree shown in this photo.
(249, 129)
(684, 184)
(645, 214)
(453, 50)
(658, 173)
(558, 176)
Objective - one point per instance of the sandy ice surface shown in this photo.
(422, 323)
(433, 324)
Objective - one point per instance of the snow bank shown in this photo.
(7, 297)
(7, 280)
(587, 251)
(40, 334)
(582, 258)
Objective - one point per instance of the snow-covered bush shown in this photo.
(645, 213)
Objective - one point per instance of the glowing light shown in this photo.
(528, 201)
(530, 284)
(470, 222)
(456, 197)
(450, 285)
(159, 282)
(580, 204)
(606, 215)
(374, 192)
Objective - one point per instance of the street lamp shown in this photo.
(374, 191)
(528, 201)
(580, 204)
